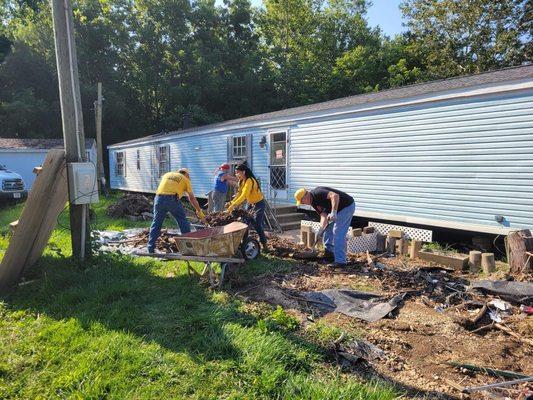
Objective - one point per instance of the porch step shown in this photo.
(289, 217)
(288, 226)
(284, 209)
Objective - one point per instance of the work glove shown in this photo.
(332, 216)
(227, 205)
(200, 214)
(229, 209)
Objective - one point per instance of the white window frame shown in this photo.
(238, 147)
(138, 160)
(120, 163)
(163, 158)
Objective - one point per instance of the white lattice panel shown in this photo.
(423, 235)
(367, 242)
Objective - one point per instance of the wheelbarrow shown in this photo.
(227, 245)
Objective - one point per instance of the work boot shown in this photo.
(328, 255)
(336, 265)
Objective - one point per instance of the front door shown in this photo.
(278, 166)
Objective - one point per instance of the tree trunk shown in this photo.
(519, 243)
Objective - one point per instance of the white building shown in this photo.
(454, 153)
(22, 155)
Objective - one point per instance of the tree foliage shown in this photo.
(165, 61)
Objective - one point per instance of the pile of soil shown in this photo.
(223, 218)
(131, 205)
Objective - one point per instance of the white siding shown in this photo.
(454, 162)
(23, 161)
(461, 161)
(202, 154)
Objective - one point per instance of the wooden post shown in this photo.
(475, 261)
(518, 245)
(488, 263)
(391, 244)
(357, 232)
(416, 246)
(400, 245)
(368, 229)
(380, 243)
(99, 144)
(305, 232)
(71, 111)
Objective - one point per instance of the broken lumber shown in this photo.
(357, 232)
(396, 233)
(368, 229)
(47, 198)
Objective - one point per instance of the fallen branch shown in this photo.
(490, 371)
(369, 260)
(480, 314)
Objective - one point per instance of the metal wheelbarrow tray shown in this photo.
(220, 241)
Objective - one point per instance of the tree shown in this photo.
(459, 37)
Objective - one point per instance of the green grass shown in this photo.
(117, 327)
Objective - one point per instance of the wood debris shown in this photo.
(131, 205)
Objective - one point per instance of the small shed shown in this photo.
(22, 155)
(455, 153)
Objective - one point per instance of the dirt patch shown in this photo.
(422, 336)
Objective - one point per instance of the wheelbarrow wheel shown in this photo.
(250, 248)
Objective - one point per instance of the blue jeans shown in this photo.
(335, 234)
(164, 204)
(258, 211)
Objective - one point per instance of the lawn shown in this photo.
(119, 327)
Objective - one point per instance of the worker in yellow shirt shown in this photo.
(172, 187)
(250, 191)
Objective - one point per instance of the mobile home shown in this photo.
(455, 153)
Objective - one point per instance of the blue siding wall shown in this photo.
(462, 161)
(459, 161)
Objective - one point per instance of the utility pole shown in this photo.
(99, 144)
(71, 112)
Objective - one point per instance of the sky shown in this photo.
(386, 14)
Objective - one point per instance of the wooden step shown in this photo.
(284, 209)
(288, 226)
(290, 217)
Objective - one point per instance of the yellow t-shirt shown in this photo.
(174, 183)
(246, 192)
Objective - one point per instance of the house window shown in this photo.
(138, 160)
(164, 160)
(119, 163)
(239, 147)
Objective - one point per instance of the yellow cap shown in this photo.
(300, 193)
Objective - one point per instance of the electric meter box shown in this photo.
(82, 183)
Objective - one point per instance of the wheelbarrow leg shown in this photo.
(222, 273)
(211, 274)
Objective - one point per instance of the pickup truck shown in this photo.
(12, 185)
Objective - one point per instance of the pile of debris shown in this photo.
(165, 243)
(223, 218)
(135, 207)
(288, 249)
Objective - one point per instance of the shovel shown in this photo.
(317, 238)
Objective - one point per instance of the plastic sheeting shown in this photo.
(521, 292)
(366, 306)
